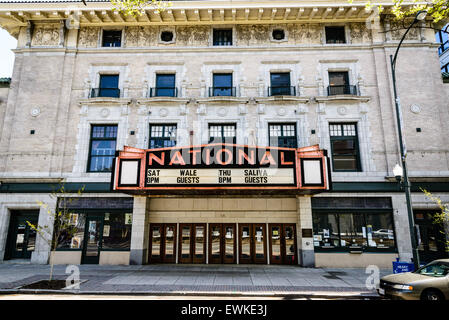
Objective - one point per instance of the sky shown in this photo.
(6, 55)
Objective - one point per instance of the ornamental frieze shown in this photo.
(46, 35)
(88, 37)
(397, 31)
(140, 36)
(360, 33)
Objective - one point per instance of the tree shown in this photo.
(60, 218)
(441, 218)
(438, 10)
(137, 7)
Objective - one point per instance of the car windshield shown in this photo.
(438, 269)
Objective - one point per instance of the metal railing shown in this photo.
(281, 91)
(105, 92)
(343, 89)
(222, 91)
(163, 92)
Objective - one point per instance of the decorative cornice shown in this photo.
(146, 101)
(342, 97)
(282, 99)
(104, 100)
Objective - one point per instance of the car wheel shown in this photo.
(432, 295)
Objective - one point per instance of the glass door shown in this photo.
(222, 243)
(215, 250)
(155, 243)
(259, 242)
(275, 231)
(199, 243)
(21, 240)
(289, 244)
(245, 247)
(185, 243)
(229, 244)
(169, 243)
(92, 240)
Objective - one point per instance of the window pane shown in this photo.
(380, 232)
(223, 80)
(116, 231)
(325, 230)
(280, 79)
(338, 78)
(222, 37)
(352, 230)
(73, 236)
(335, 35)
(162, 136)
(112, 38)
(165, 80)
(344, 155)
(109, 81)
(103, 148)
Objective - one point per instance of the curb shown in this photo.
(358, 296)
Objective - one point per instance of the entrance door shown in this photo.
(92, 240)
(433, 239)
(222, 244)
(282, 243)
(162, 243)
(21, 237)
(252, 244)
(192, 243)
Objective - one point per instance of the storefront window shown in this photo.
(352, 230)
(117, 231)
(343, 231)
(380, 232)
(325, 228)
(72, 238)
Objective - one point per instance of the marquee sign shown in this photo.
(220, 166)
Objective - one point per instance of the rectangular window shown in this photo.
(117, 231)
(339, 84)
(280, 84)
(108, 86)
(222, 85)
(368, 230)
(344, 146)
(162, 136)
(102, 148)
(165, 86)
(335, 34)
(73, 236)
(112, 38)
(222, 37)
(283, 135)
(443, 38)
(222, 133)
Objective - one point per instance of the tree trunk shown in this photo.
(51, 266)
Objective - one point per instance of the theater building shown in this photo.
(219, 132)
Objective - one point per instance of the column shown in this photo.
(306, 253)
(401, 226)
(139, 235)
(46, 222)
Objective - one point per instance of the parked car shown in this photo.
(430, 282)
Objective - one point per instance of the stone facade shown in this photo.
(56, 68)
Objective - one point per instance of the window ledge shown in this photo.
(343, 97)
(282, 98)
(223, 99)
(145, 101)
(104, 100)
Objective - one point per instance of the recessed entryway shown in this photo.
(21, 239)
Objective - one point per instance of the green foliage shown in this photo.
(442, 217)
(436, 9)
(137, 7)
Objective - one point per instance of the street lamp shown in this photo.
(398, 171)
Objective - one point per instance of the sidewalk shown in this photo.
(236, 280)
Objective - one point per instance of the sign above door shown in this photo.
(220, 167)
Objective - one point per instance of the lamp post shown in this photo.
(398, 171)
